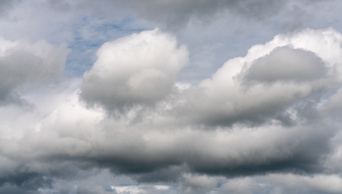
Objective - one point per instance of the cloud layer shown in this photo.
(269, 112)
(135, 97)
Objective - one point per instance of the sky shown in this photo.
(170, 97)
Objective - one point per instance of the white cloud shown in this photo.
(267, 122)
(157, 143)
(121, 144)
(226, 99)
(135, 70)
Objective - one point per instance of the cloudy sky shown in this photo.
(170, 96)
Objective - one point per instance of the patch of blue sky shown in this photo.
(89, 33)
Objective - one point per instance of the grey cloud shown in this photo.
(286, 64)
(94, 190)
(239, 185)
(277, 81)
(5, 6)
(13, 189)
(25, 182)
(284, 183)
(333, 105)
(169, 173)
(160, 145)
(149, 155)
(287, 150)
(304, 156)
(221, 136)
(198, 184)
(22, 62)
(172, 14)
(147, 149)
(317, 183)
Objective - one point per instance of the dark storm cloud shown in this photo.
(24, 182)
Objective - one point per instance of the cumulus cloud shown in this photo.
(274, 81)
(135, 122)
(90, 139)
(136, 70)
(198, 135)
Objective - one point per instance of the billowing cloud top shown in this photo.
(274, 81)
(136, 70)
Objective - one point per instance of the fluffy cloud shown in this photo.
(274, 81)
(176, 139)
(142, 121)
(136, 70)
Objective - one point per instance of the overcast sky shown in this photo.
(170, 96)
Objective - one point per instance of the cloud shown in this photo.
(282, 183)
(286, 64)
(333, 105)
(165, 143)
(275, 81)
(22, 62)
(239, 185)
(135, 70)
(304, 184)
(141, 120)
(173, 14)
(5, 6)
(89, 140)
(197, 184)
